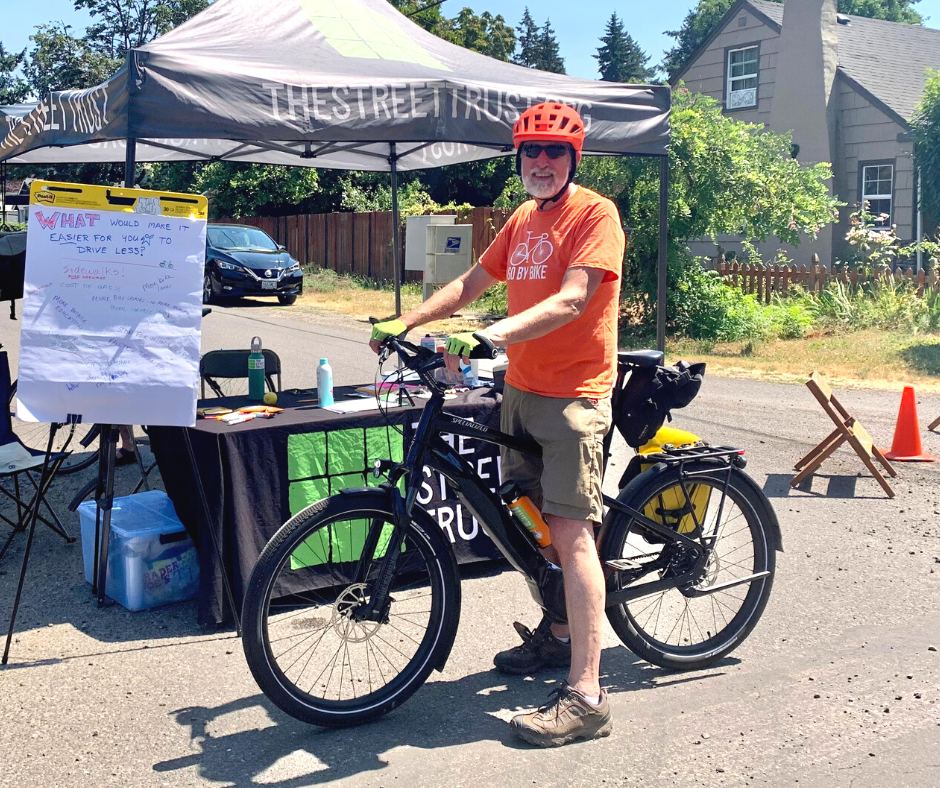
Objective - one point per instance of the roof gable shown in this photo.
(886, 60)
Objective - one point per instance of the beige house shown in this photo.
(846, 87)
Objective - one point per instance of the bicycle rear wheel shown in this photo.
(679, 629)
(78, 439)
(305, 648)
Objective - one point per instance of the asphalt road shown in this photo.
(839, 684)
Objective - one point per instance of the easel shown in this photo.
(848, 430)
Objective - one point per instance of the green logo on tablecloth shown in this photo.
(320, 464)
(356, 31)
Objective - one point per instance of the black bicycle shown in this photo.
(356, 599)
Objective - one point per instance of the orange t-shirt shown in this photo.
(532, 253)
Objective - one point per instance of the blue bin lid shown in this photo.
(141, 514)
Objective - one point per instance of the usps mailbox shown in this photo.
(416, 248)
(449, 254)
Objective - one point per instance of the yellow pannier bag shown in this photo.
(674, 499)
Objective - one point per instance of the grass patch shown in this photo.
(360, 297)
(869, 359)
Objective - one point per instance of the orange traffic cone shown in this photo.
(906, 445)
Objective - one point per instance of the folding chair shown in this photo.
(217, 367)
(16, 461)
(848, 429)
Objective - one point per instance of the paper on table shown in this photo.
(357, 406)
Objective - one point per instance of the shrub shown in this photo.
(320, 280)
(705, 308)
(789, 319)
(884, 304)
(493, 302)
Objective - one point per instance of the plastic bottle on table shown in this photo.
(256, 370)
(469, 380)
(324, 383)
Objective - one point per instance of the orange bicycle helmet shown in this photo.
(549, 122)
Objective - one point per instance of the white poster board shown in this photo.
(112, 306)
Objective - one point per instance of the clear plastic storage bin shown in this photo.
(151, 561)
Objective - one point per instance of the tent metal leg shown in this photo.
(396, 240)
(663, 265)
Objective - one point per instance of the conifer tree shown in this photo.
(619, 58)
(528, 39)
(549, 57)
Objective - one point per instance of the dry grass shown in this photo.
(349, 298)
(864, 359)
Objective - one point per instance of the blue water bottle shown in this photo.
(325, 383)
(256, 371)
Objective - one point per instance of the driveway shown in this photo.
(838, 685)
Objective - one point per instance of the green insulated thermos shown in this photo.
(256, 371)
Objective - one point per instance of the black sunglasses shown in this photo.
(532, 150)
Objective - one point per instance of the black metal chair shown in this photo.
(225, 372)
(18, 461)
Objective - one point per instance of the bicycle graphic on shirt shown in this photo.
(529, 259)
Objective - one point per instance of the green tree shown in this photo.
(528, 39)
(121, 25)
(701, 21)
(484, 33)
(13, 89)
(619, 58)
(725, 177)
(926, 132)
(60, 61)
(548, 57)
(237, 190)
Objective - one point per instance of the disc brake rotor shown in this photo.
(344, 624)
(710, 573)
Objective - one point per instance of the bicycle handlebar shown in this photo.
(423, 360)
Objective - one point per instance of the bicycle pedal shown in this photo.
(622, 564)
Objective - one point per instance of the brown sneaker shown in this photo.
(567, 717)
(539, 649)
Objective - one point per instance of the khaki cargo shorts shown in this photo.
(566, 481)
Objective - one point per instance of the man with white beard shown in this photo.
(561, 255)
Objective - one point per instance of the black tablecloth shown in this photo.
(258, 474)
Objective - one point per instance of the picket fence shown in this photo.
(767, 280)
(359, 243)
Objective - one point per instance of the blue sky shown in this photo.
(577, 25)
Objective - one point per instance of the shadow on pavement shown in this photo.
(441, 714)
(777, 485)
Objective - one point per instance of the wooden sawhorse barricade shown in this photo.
(848, 429)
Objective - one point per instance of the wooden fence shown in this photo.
(359, 243)
(767, 280)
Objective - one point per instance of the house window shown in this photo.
(742, 78)
(877, 187)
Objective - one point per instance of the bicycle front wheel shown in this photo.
(305, 647)
(681, 629)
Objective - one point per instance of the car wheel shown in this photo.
(207, 289)
(286, 300)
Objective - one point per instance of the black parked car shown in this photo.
(245, 261)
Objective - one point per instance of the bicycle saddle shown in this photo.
(641, 358)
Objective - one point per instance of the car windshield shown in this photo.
(241, 238)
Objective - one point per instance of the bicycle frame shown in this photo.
(429, 449)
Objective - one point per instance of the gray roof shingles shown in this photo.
(888, 59)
